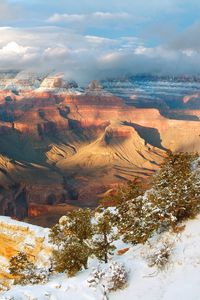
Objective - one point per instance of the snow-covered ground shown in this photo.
(14, 229)
(39, 231)
(18, 236)
(179, 280)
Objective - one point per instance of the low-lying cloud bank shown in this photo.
(85, 57)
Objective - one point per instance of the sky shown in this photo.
(94, 39)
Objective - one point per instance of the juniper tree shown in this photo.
(131, 190)
(72, 257)
(21, 268)
(77, 222)
(80, 224)
(136, 220)
(104, 236)
(176, 189)
(71, 237)
(25, 271)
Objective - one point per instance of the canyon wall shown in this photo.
(61, 150)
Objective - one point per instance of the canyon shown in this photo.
(63, 146)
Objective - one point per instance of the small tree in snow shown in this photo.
(116, 278)
(96, 277)
(160, 256)
(25, 272)
(176, 190)
(104, 236)
(112, 278)
(77, 223)
(71, 237)
(136, 220)
(72, 257)
(21, 268)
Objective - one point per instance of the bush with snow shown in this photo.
(96, 277)
(116, 278)
(24, 271)
(160, 256)
(111, 278)
(39, 275)
(4, 285)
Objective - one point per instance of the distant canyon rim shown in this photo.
(62, 146)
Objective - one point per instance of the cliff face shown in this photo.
(60, 150)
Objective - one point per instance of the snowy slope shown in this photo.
(36, 229)
(15, 229)
(17, 236)
(180, 279)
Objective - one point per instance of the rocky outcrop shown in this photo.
(95, 89)
(58, 85)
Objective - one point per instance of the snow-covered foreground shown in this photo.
(180, 279)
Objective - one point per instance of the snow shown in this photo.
(25, 81)
(23, 236)
(179, 280)
(70, 91)
(38, 231)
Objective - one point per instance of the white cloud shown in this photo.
(93, 17)
(56, 52)
(111, 16)
(13, 48)
(140, 50)
(84, 57)
(13, 53)
(155, 52)
(56, 18)
(100, 41)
